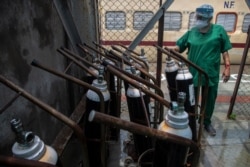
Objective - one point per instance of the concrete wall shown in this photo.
(32, 29)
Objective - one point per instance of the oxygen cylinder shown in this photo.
(93, 130)
(129, 69)
(169, 154)
(114, 106)
(171, 71)
(89, 78)
(184, 83)
(139, 113)
(30, 146)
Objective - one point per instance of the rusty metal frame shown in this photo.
(151, 132)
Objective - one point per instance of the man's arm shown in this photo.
(226, 72)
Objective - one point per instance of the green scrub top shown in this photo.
(204, 50)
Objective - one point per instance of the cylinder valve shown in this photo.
(29, 146)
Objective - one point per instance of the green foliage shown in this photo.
(232, 116)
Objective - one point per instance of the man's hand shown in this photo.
(226, 75)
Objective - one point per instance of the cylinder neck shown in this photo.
(23, 137)
(181, 101)
(143, 56)
(177, 118)
(100, 83)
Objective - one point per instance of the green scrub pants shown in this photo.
(210, 102)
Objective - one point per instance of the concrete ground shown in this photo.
(229, 148)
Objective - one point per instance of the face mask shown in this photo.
(201, 24)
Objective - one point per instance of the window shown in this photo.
(191, 21)
(246, 23)
(115, 20)
(172, 21)
(141, 19)
(227, 20)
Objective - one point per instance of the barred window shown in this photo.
(172, 21)
(115, 20)
(141, 18)
(246, 23)
(227, 20)
(191, 21)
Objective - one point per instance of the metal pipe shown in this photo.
(143, 130)
(48, 109)
(107, 52)
(127, 49)
(136, 55)
(64, 53)
(106, 55)
(143, 71)
(79, 57)
(141, 80)
(19, 162)
(73, 79)
(134, 58)
(140, 86)
(114, 54)
(87, 53)
(9, 103)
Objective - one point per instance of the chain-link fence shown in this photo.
(121, 21)
(242, 99)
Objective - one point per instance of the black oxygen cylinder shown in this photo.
(139, 113)
(184, 83)
(169, 154)
(114, 109)
(93, 130)
(171, 71)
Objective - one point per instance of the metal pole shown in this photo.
(68, 23)
(160, 43)
(150, 25)
(237, 84)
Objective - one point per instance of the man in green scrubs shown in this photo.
(205, 43)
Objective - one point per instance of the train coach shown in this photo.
(122, 20)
